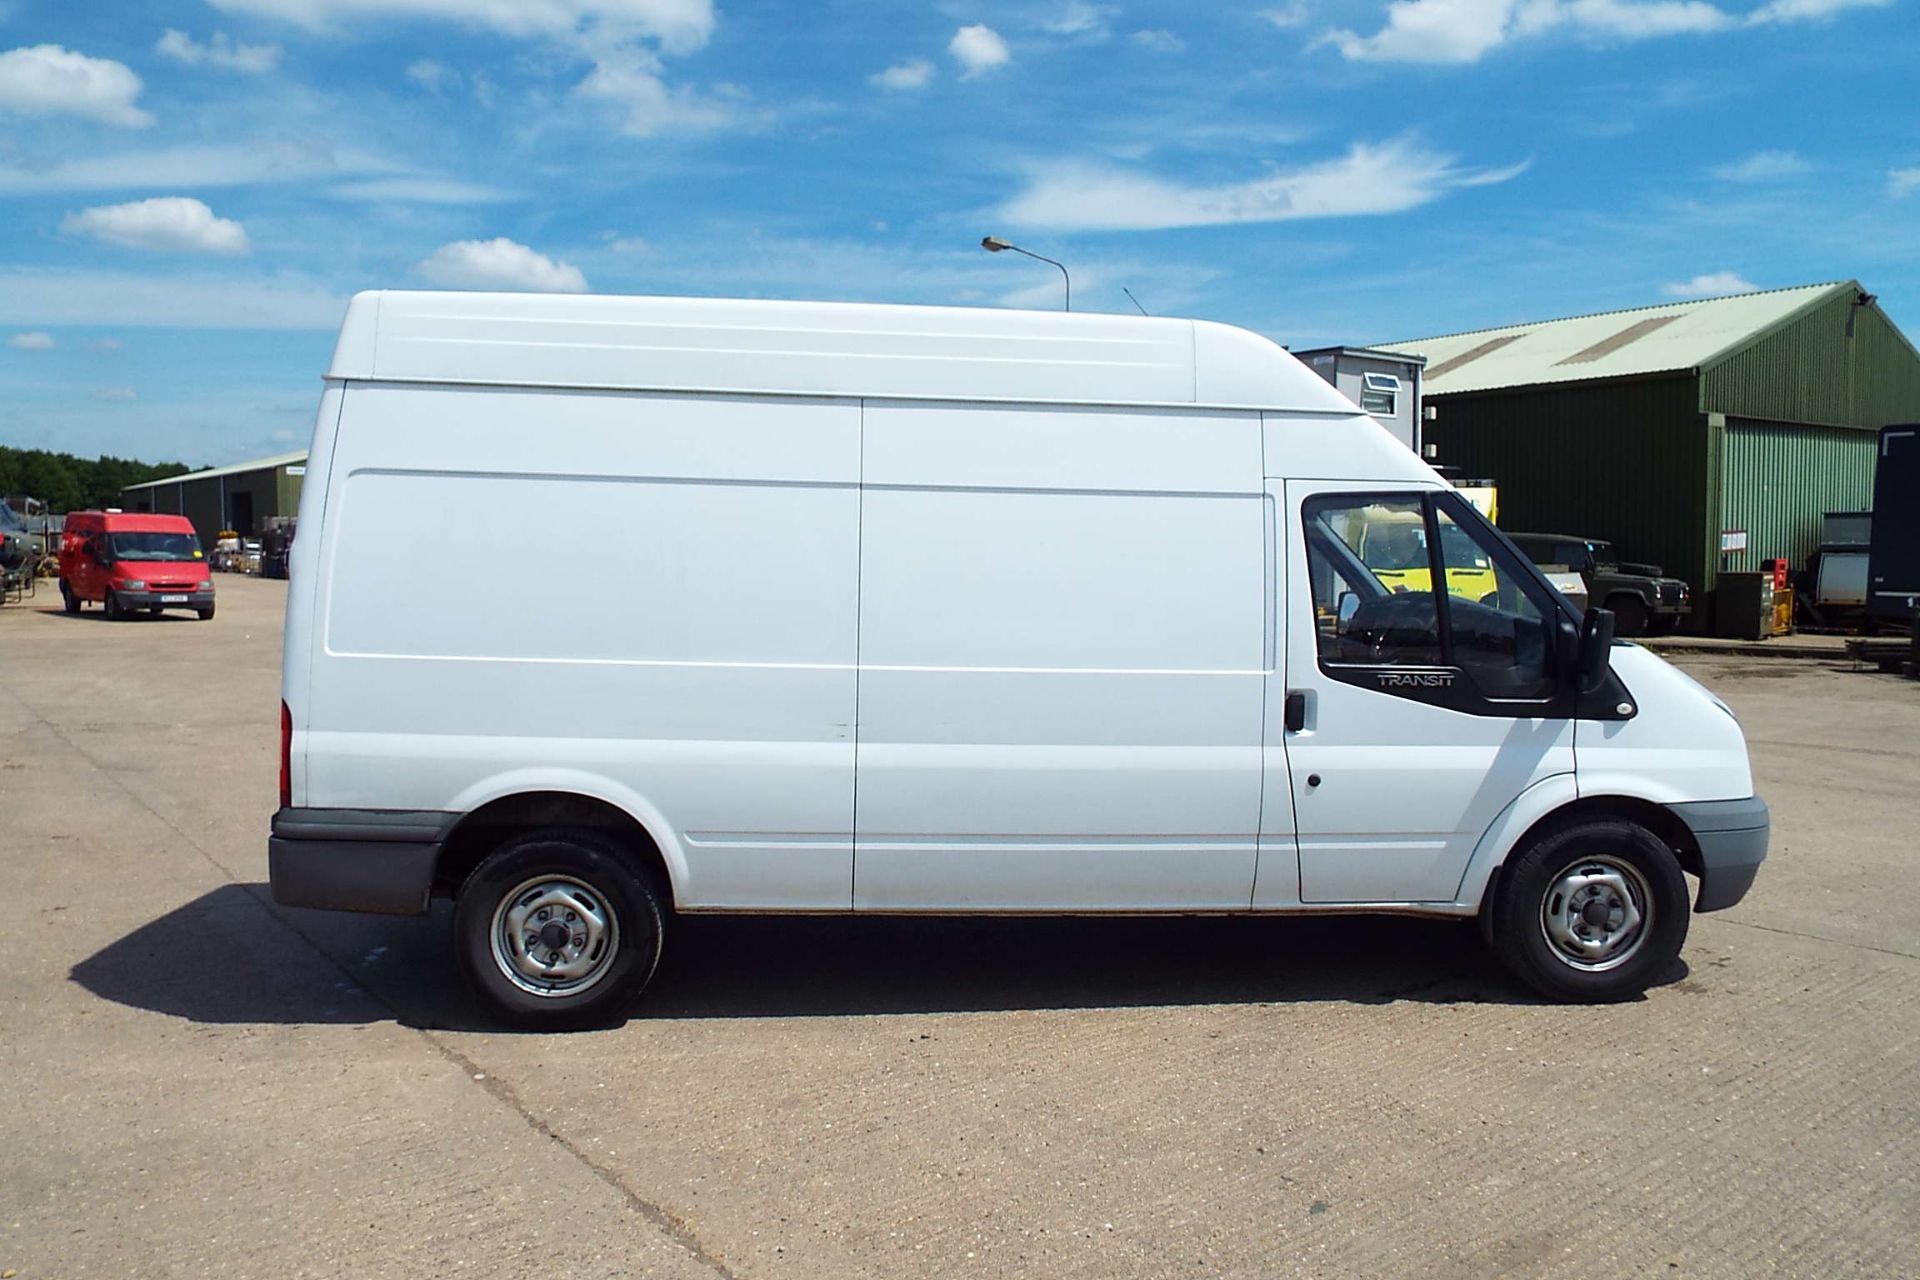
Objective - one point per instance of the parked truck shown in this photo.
(1643, 600)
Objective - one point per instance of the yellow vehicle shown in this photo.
(1392, 539)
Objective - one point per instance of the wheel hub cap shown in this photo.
(554, 936)
(1595, 914)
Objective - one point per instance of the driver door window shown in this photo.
(1373, 561)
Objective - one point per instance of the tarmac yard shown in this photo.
(195, 1082)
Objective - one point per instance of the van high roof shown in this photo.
(820, 349)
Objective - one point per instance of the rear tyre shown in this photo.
(68, 601)
(1629, 615)
(1592, 913)
(556, 931)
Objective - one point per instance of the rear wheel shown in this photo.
(68, 601)
(1629, 615)
(556, 930)
(1592, 912)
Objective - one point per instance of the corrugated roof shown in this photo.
(238, 468)
(1672, 336)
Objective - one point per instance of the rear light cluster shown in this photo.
(286, 757)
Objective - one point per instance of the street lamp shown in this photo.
(994, 244)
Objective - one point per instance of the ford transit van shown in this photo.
(131, 562)
(928, 610)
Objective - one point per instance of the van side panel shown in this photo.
(650, 599)
(1062, 640)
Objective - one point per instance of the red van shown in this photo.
(130, 561)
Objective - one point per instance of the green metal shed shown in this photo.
(240, 497)
(1663, 427)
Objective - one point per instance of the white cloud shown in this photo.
(629, 80)
(916, 74)
(500, 263)
(433, 76)
(1429, 31)
(116, 395)
(238, 164)
(1711, 285)
(1762, 166)
(1159, 40)
(1783, 11)
(219, 51)
(106, 346)
(35, 341)
(680, 26)
(1287, 16)
(1459, 31)
(146, 299)
(167, 224)
(46, 80)
(420, 189)
(1077, 18)
(978, 49)
(628, 244)
(1624, 19)
(1901, 182)
(1369, 179)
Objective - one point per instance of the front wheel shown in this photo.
(206, 612)
(1592, 913)
(111, 603)
(555, 930)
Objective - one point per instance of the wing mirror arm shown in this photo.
(1596, 649)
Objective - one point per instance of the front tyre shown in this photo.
(1593, 912)
(556, 930)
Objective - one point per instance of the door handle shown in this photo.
(1296, 711)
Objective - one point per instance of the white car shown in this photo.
(925, 610)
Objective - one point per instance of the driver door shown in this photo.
(1427, 712)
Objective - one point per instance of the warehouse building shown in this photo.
(238, 497)
(1700, 435)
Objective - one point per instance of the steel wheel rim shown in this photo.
(529, 948)
(1596, 914)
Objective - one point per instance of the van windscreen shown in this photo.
(154, 546)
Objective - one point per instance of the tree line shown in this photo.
(68, 483)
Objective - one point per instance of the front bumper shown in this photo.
(377, 860)
(1732, 835)
(196, 597)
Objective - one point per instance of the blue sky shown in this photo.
(191, 189)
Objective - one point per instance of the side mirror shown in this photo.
(1596, 648)
(1346, 607)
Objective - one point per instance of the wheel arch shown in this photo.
(531, 805)
(1555, 802)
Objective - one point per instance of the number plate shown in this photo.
(174, 599)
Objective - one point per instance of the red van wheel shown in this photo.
(68, 601)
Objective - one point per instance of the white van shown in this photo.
(606, 609)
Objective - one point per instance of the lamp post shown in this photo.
(994, 244)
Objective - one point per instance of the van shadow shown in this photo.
(233, 957)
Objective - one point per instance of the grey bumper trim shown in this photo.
(1732, 835)
(356, 859)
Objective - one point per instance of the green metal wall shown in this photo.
(1627, 461)
(1777, 479)
(1812, 371)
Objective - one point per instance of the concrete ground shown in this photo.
(194, 1082)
